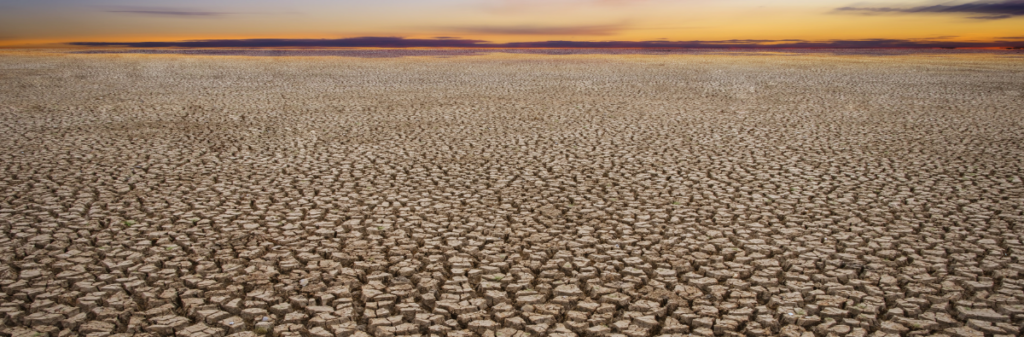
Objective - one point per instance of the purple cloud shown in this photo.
(984, 10)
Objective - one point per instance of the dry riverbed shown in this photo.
(510, 195)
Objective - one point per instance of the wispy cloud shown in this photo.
(590, 30)
(165, 11)
(521, 6)
(170, 13)
(984, 10)
(397, 42)
(568, 2)
(940, 37)
(618, 2)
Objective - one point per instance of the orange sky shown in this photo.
(41, 22)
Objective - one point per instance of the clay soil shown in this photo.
(510, 195)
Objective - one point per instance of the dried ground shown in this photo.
(511, 195)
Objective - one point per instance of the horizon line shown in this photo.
(399, 42)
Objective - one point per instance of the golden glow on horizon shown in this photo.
(503, 21)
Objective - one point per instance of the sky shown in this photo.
(501, 22)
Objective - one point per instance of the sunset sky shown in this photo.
(48, 22)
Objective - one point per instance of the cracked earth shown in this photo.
(511, 195)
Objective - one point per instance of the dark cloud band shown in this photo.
(981, 9)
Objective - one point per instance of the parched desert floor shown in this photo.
(512, 195)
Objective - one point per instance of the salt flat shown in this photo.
(511, 195)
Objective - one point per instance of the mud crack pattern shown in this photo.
(511, 195)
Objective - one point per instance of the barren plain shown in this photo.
(501, 195)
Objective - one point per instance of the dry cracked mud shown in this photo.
(511, 195)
